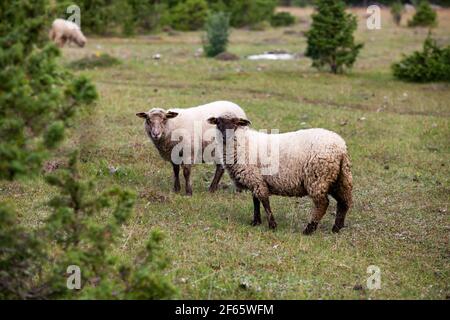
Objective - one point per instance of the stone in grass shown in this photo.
(227, 56)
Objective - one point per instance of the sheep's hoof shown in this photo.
(272, 225)
(336, 229)
(177, 190)
(310, 228)
(256, 223)
(212, 189)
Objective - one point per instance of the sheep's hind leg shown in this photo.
(256, 212)
(319, 210)
(270, 218)
(187, 178)
(60, 40)
(343, 198)
(176, 178)
(217, 176)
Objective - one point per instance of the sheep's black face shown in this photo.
(227, 126)
(155, 126)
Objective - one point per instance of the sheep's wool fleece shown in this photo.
(62, 25)
(67, 28)
(292, 164)
(191, 124)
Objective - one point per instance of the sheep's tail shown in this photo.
(342, 192)
(345, 179)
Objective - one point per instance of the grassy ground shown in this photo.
(398, 135)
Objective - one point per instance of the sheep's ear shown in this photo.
(142, 115)
(212, 120)
(243, 122)
(171, 114)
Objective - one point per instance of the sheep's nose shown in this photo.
(156, 134)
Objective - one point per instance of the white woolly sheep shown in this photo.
(177, 130)
(312, 162)
(63, 31)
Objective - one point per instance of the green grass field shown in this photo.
(398, 135)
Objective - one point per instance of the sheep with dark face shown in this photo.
(311, 162)
(176, 130)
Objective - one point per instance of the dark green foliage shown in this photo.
(102, 60)
(102, 16)
(97, 16)
(84, 226)
(217, 33)
(431, 64)
(301, 3)
(245, 12)
(147, 14)
(20, 254)
(189, 15)
(397, 11)
(107, 17)
(81, 230)
(425, 16)
(37, 96)
(37, 99)
(330, 39)
(282, 19)
(251, 12)
(356, 2)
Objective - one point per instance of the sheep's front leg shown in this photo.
(176, 178)
(270, 218)
(60, 40)
(217, 176)
(187, 178)
(256, 211)
(319, 210)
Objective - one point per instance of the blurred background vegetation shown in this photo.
(104, 17)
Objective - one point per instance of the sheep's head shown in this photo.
(155, 121)
(228, 123)
(79, 38)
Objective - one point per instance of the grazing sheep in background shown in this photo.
(63, 31)
(312, 162)
(160, 125)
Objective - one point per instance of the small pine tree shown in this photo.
(33, 264)
(330, 39)
(37, 96)
(21, 256)
(425, 16)
(431, 64)
(83, 240)
(396, 12)
(217, 32)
